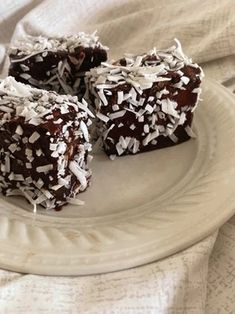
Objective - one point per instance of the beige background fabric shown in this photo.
(198, 280)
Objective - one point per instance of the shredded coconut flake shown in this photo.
(34, 137)
(31, 45)
(45, 168)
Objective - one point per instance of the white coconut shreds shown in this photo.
(31, 45)
(123, 84)
(35, 110)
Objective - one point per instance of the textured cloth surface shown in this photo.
(198, 280)
(174, 285)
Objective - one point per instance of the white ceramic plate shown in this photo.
(139, 208)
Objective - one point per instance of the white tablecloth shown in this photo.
(198, 280)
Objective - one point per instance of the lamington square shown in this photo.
(56, 64)
(44, 145)
(145, 102)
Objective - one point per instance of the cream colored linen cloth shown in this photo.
(201, 279)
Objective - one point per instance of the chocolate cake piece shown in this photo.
(145, 102)
(56, 64)
(44, 144)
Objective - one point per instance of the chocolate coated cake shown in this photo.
(145, 102)
(56, 64)
(44, 144)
